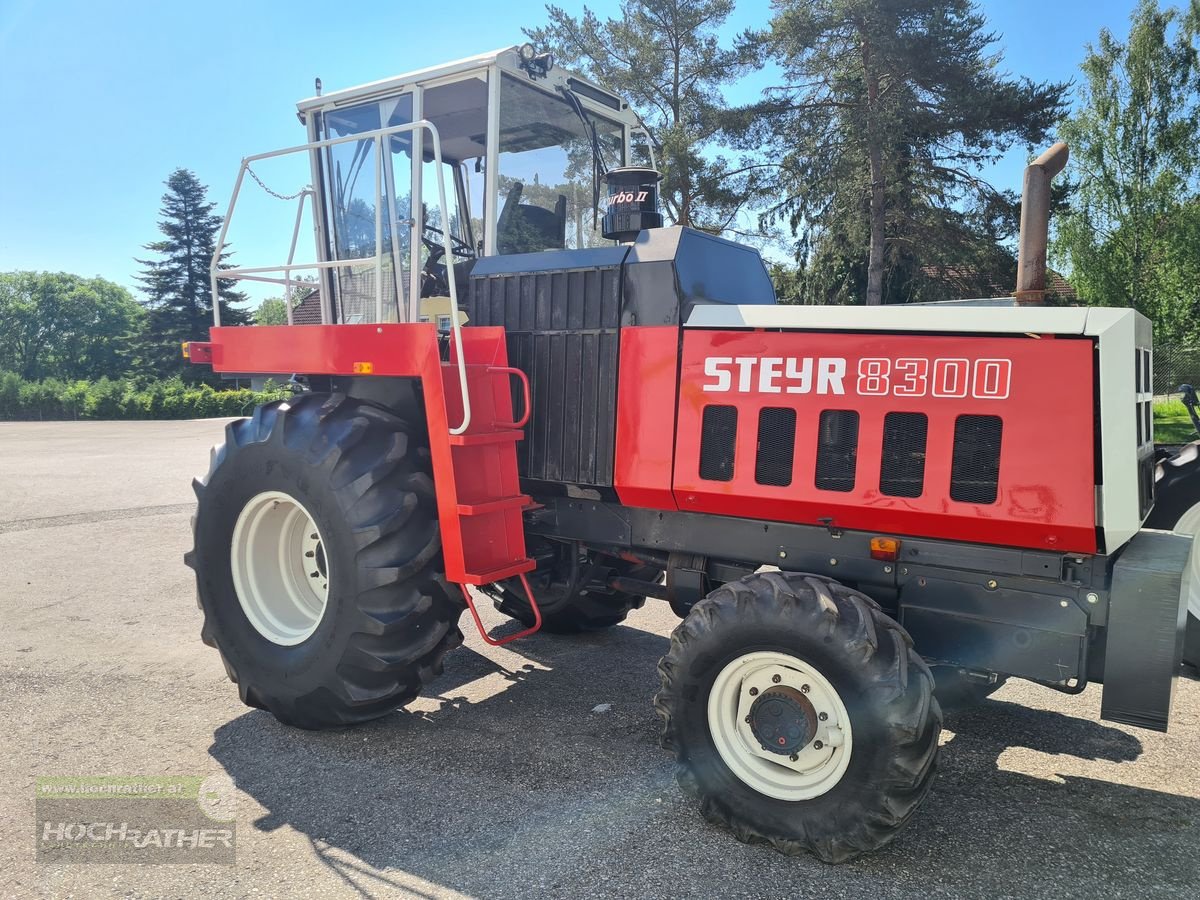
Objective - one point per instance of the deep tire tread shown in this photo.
(404, 616)
(896, 686)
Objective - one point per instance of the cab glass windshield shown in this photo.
(550, 150)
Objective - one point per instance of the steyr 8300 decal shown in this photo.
(981, 379)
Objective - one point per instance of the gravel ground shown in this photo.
(504, 780)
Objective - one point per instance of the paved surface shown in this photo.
(502, 781)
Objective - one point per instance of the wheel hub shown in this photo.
(279, 567)
(780, 725)
(783, 720)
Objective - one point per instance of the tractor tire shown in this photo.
(318, 561)
(840, 746)
(1177, 508)
(572, 608)
(955, 691)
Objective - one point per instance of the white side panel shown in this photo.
(988, 320)
(1119, 333)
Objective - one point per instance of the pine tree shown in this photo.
(177, 285)
(665, 59)
(886, 113)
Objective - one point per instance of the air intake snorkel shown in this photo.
(632, 204)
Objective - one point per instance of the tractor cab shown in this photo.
(509, 150)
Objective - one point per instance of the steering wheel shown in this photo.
(460, 248)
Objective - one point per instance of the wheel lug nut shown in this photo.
(794, 757)
(747, 720)
(313, 536)
(776, 679)
(804, 688)
(818, 745)
(823, 716)
(753, 692)
(310, 554)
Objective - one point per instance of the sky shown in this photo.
(107, 98)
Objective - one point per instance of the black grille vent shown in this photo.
(837, 450)
(718, 440)
(562, 331)
(902, 473)
(975, 471)
(776, 446)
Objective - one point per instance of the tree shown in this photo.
(1134, 145)
(177, 284)
(273, 310)
(886, 113)
(57, 325)
(664, 58)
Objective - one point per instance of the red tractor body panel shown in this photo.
(1045, 487)
(646, 405)
(1045, 490)
(479, 500)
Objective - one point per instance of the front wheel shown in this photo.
(799, 715)
(318, 561)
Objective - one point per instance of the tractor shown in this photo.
(511, 381)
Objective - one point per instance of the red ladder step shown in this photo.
(500, 504)
(487, 437)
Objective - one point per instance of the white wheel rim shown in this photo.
(280, 571)
(1189, 523)
(818, 766)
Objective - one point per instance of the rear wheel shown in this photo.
(572, 593)
(318, 561)
(799, 715)
(1177, 508)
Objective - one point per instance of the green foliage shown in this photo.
(788, 282)
(1172, 424)
(177, 283)
(52, 323)
(664, 58)
(108, 398)
(885, 116)
(1132, 236)
(272, 311)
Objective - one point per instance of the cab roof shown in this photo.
(506, 58)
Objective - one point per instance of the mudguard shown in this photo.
(1146, 621)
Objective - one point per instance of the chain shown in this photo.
(274, 194)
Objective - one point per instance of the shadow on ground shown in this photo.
(528, 789)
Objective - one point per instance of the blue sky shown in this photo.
(109, 97)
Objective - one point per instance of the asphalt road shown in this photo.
(506, 779)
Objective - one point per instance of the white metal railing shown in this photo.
(263, 273)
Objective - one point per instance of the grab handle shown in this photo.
(511, 370)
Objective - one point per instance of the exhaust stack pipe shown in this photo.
(1035, 225)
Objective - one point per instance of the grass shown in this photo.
(1172, 425)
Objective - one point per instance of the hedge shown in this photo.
(120, 399)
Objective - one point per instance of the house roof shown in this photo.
(308, 311)
(966, 283)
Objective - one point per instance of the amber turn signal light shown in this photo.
(885, 548)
